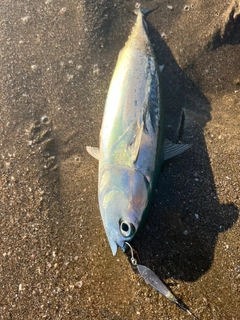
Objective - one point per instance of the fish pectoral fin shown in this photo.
(135, 144)
(171, 149)
(93, 151)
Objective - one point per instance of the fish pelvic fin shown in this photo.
(93, 151)
(171, 149)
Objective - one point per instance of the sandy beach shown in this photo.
(57, 59)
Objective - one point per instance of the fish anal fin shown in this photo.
(171, 149)
(93, 151)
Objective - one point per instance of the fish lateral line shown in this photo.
(152, 279)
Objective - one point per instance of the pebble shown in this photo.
(79, 67)
(44, 119)
(163, 35)
(187, 7)
(69, 77)
(34, 67)
(79, 284)
(236, 81)
(25, 19)
(95, 69)
(63, 10)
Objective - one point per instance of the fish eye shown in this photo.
(127, 229)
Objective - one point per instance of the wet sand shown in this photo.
(57, 58)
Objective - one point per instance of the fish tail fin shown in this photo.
(143, 11)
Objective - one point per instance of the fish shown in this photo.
(132, 138)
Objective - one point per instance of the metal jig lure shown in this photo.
(151, 278)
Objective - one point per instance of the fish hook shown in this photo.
(133, 260)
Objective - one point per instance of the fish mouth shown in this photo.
(114, 244)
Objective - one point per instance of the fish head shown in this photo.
(123, 198)
(120, 221)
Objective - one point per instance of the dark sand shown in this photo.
(57, 58)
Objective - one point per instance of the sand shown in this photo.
(57, 58)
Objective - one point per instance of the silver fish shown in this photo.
(132, 139)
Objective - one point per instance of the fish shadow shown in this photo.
(181, 231)
(230, 34)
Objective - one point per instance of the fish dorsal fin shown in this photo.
(135, 144)
(93, 151)
(171, 149)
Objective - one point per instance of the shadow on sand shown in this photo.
(185, 219)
